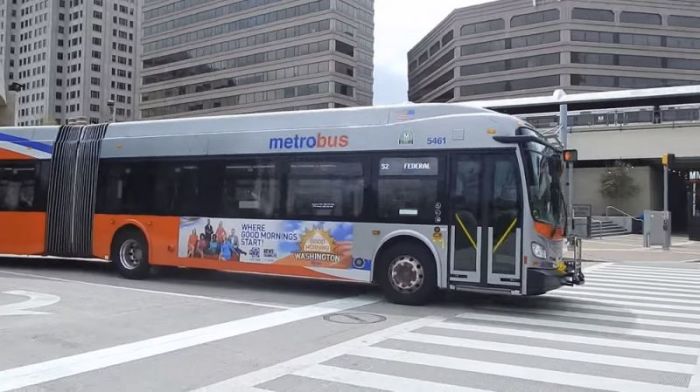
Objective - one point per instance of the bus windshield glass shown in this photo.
(544, 166)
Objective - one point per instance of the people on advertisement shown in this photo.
(192, 243)
(201, 246)
(226, 250)
(209, 231)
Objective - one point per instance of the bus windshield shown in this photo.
(544, 166)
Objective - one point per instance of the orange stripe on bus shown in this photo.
(162, 234)
(22, 233)
(11, 155)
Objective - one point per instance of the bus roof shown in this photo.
(597, 100)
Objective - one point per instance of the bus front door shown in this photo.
(486, 220)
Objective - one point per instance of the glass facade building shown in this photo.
(512, 48)
(244, 56)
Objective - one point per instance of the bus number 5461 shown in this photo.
(437, 140)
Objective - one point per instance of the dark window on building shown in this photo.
(593, 58)
(344, 69)
(535, 39)
(683, 42)
(325, 189)
(692, 22)
(250, 189)
(534, 18)
(432, 86)
(640, 61)
(483, 47)
(510, 85)
(504, 65)
(408, 188)
(640, 39)
(593, 80)
(435, 48)
(593, 14)
(437, 64)
(447, 38)
(592, 36)
(640, 18)
(483, 27)
(342, 47)
(423, 57)
(344, 89)
(683, 64)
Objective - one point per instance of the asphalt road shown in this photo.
(68, 326)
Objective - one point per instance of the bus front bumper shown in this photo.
(540, 281)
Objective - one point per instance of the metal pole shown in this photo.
(564, 136)
(114, 114)
(667, 215)
(665, 188)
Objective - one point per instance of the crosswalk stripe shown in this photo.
(640, 281)
(653, 296)
(677, 274)
(580, 326)
(648, 268)
(563, 337)
(569, 295)
(546, 352)
(636, 312)
(270, 373)
(603, 317)
(640, 276)
(377, 381)
(514, 371)
(659, 302)
(649, 287)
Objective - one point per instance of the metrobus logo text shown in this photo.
(308, 142)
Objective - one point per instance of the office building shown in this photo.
(516, 48)
(209, 57)
(71, 58)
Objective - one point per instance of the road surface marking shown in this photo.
(378, 381)
(634, 319)
(650, 268)
(567, 355)
(680, 274)
(636, 312)
(633, 304)
(639, 281)
(659, 302)
(652, 295)
(521, 372)
(284, 368)
(656, 288)
(41, 372)
(169, 293)
(36, 300)
(559, 337)
(547, 323)
(608, 272)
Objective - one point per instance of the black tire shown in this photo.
(130, 254)
(416, 261)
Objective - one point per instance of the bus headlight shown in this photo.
(539, 251)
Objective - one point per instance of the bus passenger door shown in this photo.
(485, 223)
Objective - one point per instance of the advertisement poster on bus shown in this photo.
(299, 243)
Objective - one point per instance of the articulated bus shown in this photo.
(413, 198)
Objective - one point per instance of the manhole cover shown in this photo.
(354, 318)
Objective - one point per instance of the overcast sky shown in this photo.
(399, 25)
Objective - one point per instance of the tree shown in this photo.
(617, 183)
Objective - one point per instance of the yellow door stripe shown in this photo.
(505, 235)
(466, 232)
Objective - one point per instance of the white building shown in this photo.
(72, 57)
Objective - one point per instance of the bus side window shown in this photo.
(250, 189)
(325, 189)
(408, 189)
(17, 187)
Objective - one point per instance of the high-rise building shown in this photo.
(72, 57)
(515, 48)
(205, 57)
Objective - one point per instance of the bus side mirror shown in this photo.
(570, 155)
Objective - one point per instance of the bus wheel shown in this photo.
(130, 254)
(408, 274)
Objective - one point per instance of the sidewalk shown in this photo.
(629, 248)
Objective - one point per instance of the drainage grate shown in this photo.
(354, 318)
